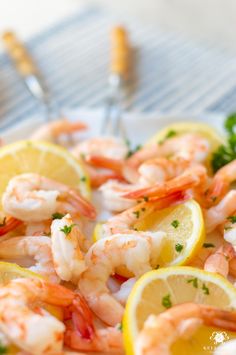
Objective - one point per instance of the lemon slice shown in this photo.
(185, 231)
(10, 271)
(204, 130)
(45, 159)
(177, 285)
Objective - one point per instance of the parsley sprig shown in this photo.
(226, 153)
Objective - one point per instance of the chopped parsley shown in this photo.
(214, 198)
(157, 267)
(57, 215)
(146, 198)
(3, 222)
(137, 214)
(179, 247)
(226, 153)
(166, 301)
(171, 133)
(227, 228)
(232, 219)
(194, 281)
(3, 349)
(67, 229)
(208, 245)
(205, 289)
(143, 209)
(83, 179)
(132, 151)
(175, 223)
(120, 327)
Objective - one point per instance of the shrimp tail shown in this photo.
(219, 318)
(83, 205)
(82, 317)
(115, 165)
(161, 190)
(9, 224)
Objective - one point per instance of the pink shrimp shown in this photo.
(191, 178)
(222, 180)
(9, 224)
(219, 261)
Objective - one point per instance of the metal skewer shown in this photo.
(120, 56)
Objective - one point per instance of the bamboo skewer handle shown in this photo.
(19, 55)
(120, 52)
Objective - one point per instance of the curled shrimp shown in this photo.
(190, 178)
(109, 147)
(125, 221)
(187, 146)
(53, 130)
(67, 256)
(222, 180)
(107, 340)
(32, 197)
(181, 321)
(38, 248)
(216, 215)
(112, 195)
(219, 261)
(29, 326)
(137, 251)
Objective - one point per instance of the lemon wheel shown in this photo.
(177, 284)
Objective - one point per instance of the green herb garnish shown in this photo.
(67, 229)
(226, 153)
(146, 198)
(132, 151)
(57, 215)
(208, 245)
(175, 223)
(169, 134)
(83, 179)
(3, 349)
(136, 213)
(194, 281)
(120, 327)
(166, 302)
(232, 219)
(205, 289)
(179, 247)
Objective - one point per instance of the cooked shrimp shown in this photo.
(218, 214)
(188, 146)
(109, 147)
(53, 130)
(98, 178)
(222, 180)
(226, 348)
(112, 196)
(67, 256)
(9, 224)
(107, 340)
(190, 178)
(181, 321)
(38, 248)
(32, 197)
(29, 326)
(126, 220)
(219, 260)
(137, 251)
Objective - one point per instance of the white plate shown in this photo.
(139, 127)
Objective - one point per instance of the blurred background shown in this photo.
(184, 53)
(202, 19)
